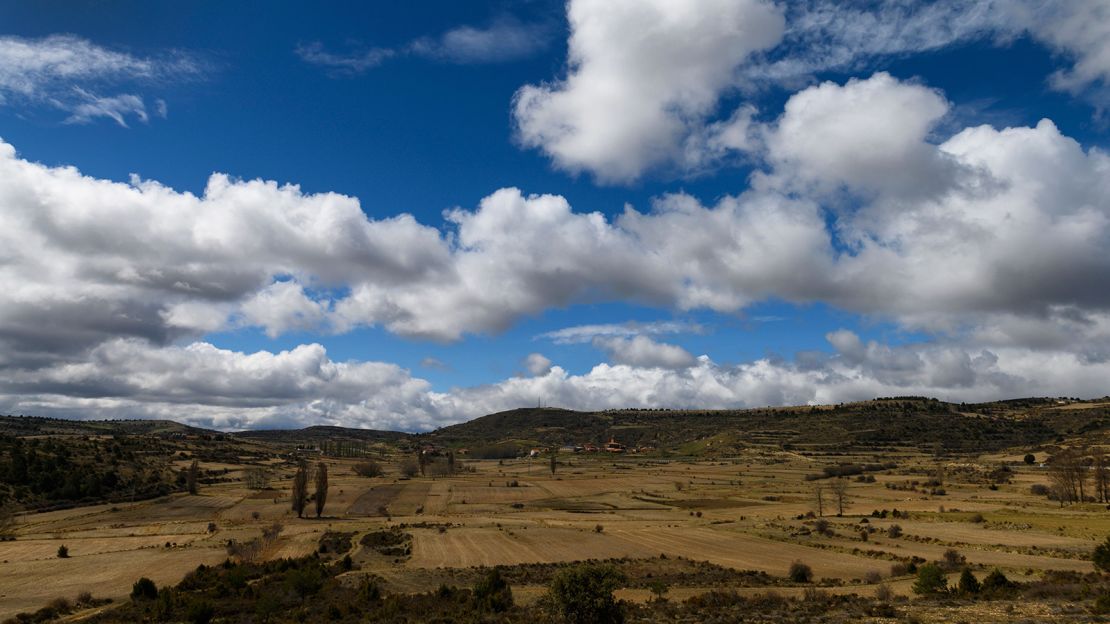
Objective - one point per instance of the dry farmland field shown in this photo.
(711, 525)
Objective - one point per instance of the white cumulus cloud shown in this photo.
(643, 352)
(642, 78)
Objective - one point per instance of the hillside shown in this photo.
(912, 421)
(321, 433)
(36, 425)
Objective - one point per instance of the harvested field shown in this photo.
(32, 583)
(752, 513)
(373, 501)
(489, 547)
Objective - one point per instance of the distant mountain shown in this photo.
(921, 422)
(36, 425)
(927, 424)
(319, 433)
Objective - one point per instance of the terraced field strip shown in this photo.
(24, 549)
(28, 585)
(293, 545)
(371, 502)
(413, 496)
(745, 552)
(978, 534)
(990, 558)
(483, 546)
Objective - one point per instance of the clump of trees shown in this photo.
(849, 470)
(1076, 477)
(492, 594)
(495, 451)
(584, 594)
(56, 472)
(1068, 476)
(258, 479)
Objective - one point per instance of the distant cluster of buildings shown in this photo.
(612, 446)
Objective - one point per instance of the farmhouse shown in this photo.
(612, 446)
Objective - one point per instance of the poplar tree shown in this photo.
(300, 489)
(321, 487)
(191, 476)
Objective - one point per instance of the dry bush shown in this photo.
(368, 469)
(410, 468)
(953, 559)
(250, 550)
(800, 572)
(812, 594)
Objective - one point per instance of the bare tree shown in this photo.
(819, 498)
(7, 520)
(321, 487)
(1066, 473)
(839, 489)
(409, 468)
(258, 479)
(1101, 473)
(450, 462)
(192, 474)
(422, 460)
(300, 489)
(554, 461)
(1082, 474)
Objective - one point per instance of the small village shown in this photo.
(612, 446)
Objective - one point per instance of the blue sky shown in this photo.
(826, 206)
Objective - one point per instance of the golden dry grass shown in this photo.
(737, 513)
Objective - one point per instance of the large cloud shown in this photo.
(642, 77)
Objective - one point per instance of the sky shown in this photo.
(406, 215)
